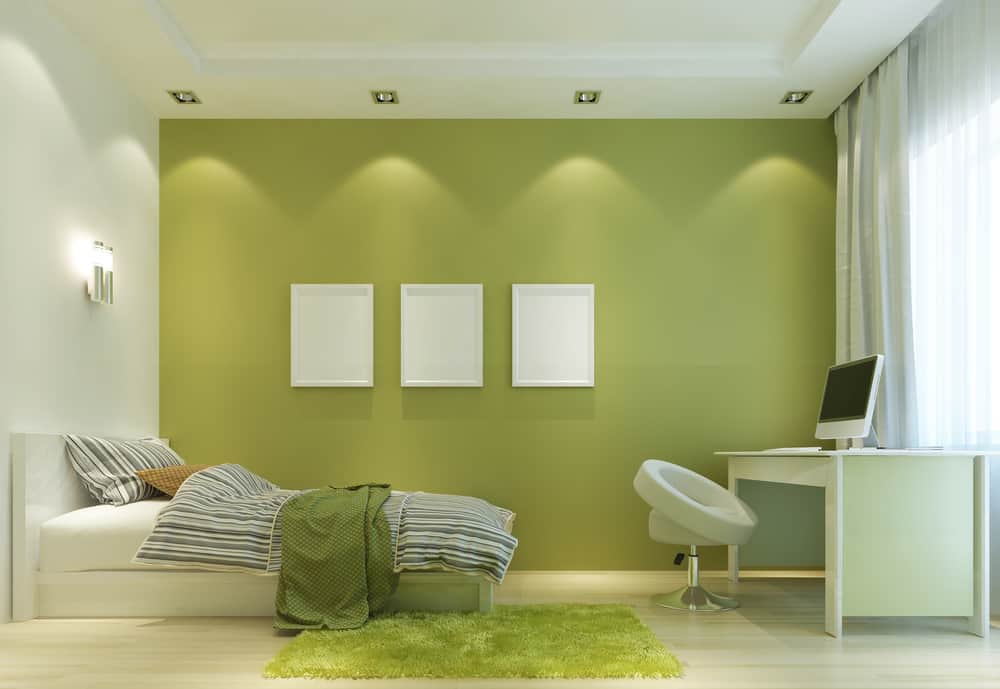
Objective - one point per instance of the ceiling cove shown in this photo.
(520, 58)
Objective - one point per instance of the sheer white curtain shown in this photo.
(918, 230)
(954, 177)
(873, 248)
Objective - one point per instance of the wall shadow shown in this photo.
(355, 404)
(551, 404)
(443, 404)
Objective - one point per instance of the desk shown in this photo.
(907, 531)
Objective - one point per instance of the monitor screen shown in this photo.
(847, 390)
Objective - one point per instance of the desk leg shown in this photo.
(834, 518)
(979, 623)
(734, 550)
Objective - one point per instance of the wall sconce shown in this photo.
(102, 281)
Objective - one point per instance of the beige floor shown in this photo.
(775, 640)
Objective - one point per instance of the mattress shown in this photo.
(102, 537)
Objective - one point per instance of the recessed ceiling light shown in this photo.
(586, 97)
(795, 97)
(385, 97)
(185, 97)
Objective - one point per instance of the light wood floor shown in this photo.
(775, 640)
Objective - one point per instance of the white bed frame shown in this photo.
(44, 485)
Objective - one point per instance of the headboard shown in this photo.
(43, 486)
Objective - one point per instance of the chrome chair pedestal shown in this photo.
(694, 598)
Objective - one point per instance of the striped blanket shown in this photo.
(226, 518)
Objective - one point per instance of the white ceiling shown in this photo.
(481, 58)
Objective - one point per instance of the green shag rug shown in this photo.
(551, 641)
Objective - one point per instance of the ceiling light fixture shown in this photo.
(586, 97)
(795, 97)
(385, 97)
(185, 97)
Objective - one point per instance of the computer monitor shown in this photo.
(849, 399)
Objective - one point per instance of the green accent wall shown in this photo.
(711, 244)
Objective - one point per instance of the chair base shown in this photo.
(694, 599)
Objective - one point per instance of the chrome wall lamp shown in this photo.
(101, 284)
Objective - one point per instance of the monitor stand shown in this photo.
(870, 441)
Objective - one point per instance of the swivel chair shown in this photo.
(689, 509)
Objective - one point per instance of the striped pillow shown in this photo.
(455, 533)
(107, 467)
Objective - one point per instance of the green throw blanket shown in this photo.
(336, 558)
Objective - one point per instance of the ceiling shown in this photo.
(481, 58)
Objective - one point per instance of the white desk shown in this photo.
(907, 531)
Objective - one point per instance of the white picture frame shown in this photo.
(553, 335)
(332, 336)
(441, 335)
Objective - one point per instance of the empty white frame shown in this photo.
(441, 335)
(553, 336)
(332, 336)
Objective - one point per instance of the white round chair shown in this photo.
(689, 509)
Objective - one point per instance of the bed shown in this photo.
(73, 558)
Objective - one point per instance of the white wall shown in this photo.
(78, 162)
(995, 535)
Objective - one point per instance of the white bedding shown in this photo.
(102, 537)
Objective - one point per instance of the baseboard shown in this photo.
(177, 594)
(679, 572)
(522, 585)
